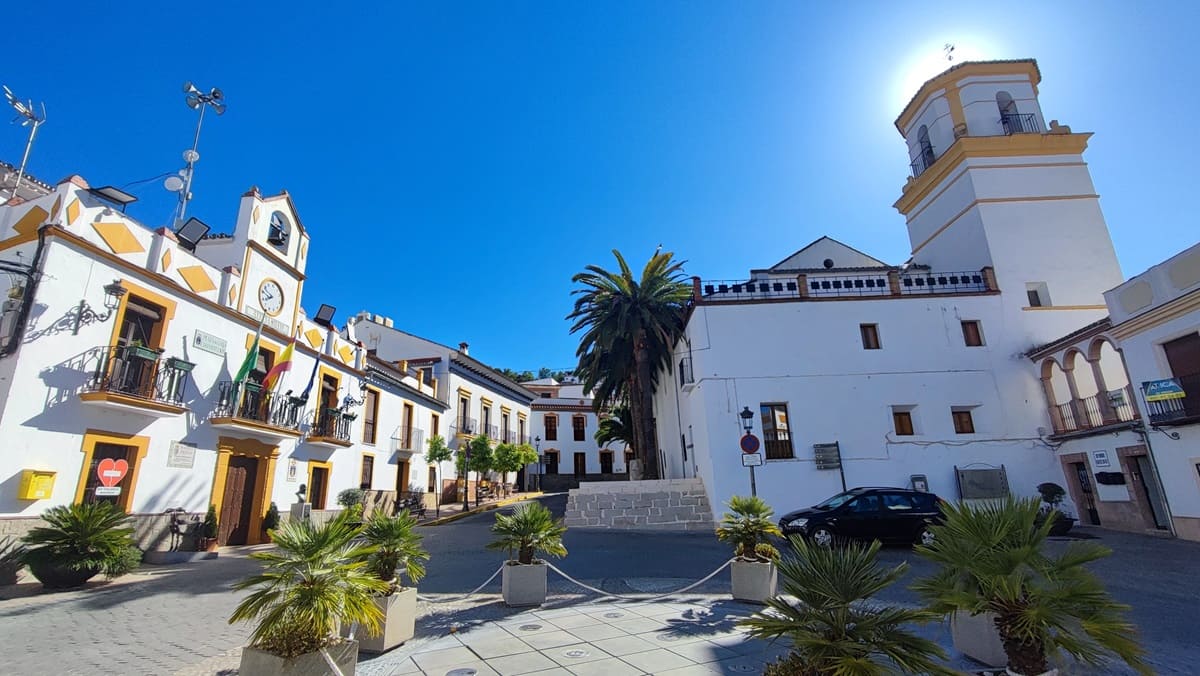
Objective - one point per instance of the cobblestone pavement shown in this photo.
(172, 619)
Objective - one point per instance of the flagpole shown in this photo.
(244, 372)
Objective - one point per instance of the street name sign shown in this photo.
(752, 460)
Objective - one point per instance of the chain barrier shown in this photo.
(641, 598)
(468, 594)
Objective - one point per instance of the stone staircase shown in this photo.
(661, 505)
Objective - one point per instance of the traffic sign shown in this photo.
(752, 460)
(750, 444)
(828, 456)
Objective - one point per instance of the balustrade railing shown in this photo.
(1092, 412)
(331, 423)
(412, 439)
(464, 425)
(821, 285)
(138, 371)
(248, 401)
(1020, 123)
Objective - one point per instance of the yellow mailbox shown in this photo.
(36, 484)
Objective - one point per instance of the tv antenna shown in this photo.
(948, 48)
(28, 117)
(182, 184)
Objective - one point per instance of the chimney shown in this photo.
(464, 348)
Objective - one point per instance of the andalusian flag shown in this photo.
(281, 367)
(251, 359)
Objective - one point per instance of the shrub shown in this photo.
(78, 542)
(271, 518)
(530, 528)
(398, 549)
(12, 560)
(351, 497)
(211, 527)
(748, 525)
(126, 561)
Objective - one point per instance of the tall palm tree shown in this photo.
(630, 327)
(616, 425)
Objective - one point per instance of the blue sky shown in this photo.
(455, 164)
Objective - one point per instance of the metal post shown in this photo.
(754, 488)
(466, 477)
(25, 158)
(187, 186)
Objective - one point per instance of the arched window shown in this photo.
(279, 231)
(925, 155)
(1011, 118)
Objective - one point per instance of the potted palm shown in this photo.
(12, 560)
(1051, 508)
(834, 625)
(77, 543)
(748, 525)
(211, 528)
(530, 528)
(314, 581)
(1002, 590)
(397, 554)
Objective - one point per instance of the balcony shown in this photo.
(923, 162)
(464, 426)
(134, 379)
(408, 441)
(509, 437)
(827, 286)
(1090, 413)
(1182, 410)
(1020, 123)
(244, 407)
(492, 432)
(331, 428)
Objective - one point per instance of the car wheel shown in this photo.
(822, 536)
(925, 536)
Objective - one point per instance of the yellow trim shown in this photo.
(264, 478)
(118, 398)
(1065, 307)
(434, 423)
(92, 437)
(264, 343)
(118, 237)
(505, 409)
(485, 401)
(17, 240)
(375, 416)
(328, 467)
(337, 384)
(462, 390)
(521, 415)
(296, 306)
(245, 270)
(954, 98)
(1017, 145)
(1162, 314)
(168, 306)
(282, 296)
(997, 200)
(253, 424)
(950, 79)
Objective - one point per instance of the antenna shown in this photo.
(196, 100)
(32, 120)
(948, 48)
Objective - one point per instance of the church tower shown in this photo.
(992, 184)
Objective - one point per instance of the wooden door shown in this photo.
(316, 492)
(606, 462)
(237, 505)
(402, 470)
(580, 464)
(1084, 483)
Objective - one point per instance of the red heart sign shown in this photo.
(111, 471)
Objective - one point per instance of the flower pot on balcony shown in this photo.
(523, 584)
(141, 352)
(262, 663)
(349, 416)
(754, 581)
(180, 365)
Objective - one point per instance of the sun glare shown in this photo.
(930, 59)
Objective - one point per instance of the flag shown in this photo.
(251, 359)
(312, 378)
(281, 367)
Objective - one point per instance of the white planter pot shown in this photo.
(976, 637)
(753, 581)
(256, 662)
(399, 622)
(523, 584)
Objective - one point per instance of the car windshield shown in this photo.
(836, 501)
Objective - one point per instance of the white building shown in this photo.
(564, 428)
(482, 400)
(119, 362)
(915, 370)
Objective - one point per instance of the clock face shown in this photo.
(270, 297)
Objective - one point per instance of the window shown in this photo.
(368, 472)
(278, 231)
(902, 422)
(925, 157)
(1005, 103)
(464, 419)
(963, 423)
(141, 323)
(606, 462)
(776, 435)
(104, 451)
(433, 424)
(431, 480)
(485, 418)
(521, 431)
(1038, 294)
(864, 504)
(972, 337)
(897, 502)
(579, 425)
(551, 427)
(504, 428)
(370, 413)
(870, 336)
(545, 395)
(406, 427)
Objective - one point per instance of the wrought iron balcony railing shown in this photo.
(509, 436)
(1020, 123)
(139, 372)
(1185, 408)
(923, 162)
(492, 431)
(247, 401)
(464, 425)
(412, 439)
(332, 423)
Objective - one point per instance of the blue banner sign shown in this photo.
(1162, 390)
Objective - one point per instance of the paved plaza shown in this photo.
(173, 619)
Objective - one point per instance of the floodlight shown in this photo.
(325, 315)
(114, 195)
(191, 233)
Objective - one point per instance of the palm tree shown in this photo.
(832, 625)
(992, 562)
(748, 526)
(630, 328)
(529, 529)
(398, 549)
(314, 581)
(616, 426)
(77, 542)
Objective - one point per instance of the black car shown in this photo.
(895, 515)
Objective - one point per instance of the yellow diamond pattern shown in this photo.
(29, 223)
(346, 354)
(54, 209)
(197, 279)
(166, 260)
(254, 215)
(118, 237)
(313, 337)
(232, 295)
(72, 211)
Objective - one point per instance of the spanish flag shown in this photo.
(281, 367)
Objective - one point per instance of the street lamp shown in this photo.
(747, 417)
(537, 447)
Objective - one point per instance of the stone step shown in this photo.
(674, 505)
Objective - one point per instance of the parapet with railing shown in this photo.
(887, 283)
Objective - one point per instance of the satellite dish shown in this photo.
(190, 156)
(173, 183)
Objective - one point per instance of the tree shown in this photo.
(477, 457)
(437, 453)
(616, 426)
(992, 562)
(529, 529)
(512, 457)
(630, 327)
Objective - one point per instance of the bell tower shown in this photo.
(992, 184)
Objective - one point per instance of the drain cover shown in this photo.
(529, 627)
(614, 614)
(668, 638)
(462, 672)
(576, 653)
(741, 668)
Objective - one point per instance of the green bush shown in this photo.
(351, 497)
(271, 518)
(78, 542)
(748, 525)
(126, 561)
(211, 527)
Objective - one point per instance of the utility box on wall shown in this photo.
(36, 484)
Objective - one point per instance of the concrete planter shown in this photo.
(399, 622)
(753, 581)
(976, 637)
(257, 662)
(523, 584)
